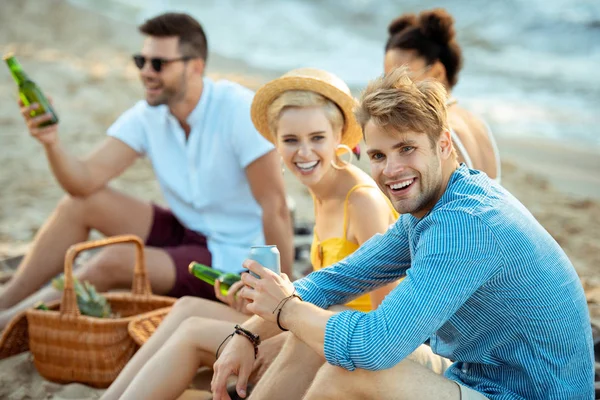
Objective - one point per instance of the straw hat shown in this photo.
(314, 80)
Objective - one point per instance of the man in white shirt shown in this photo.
(218, 176)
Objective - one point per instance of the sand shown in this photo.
(83, 61)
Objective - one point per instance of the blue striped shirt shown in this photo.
(485, 283)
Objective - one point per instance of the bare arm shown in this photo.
(76, 176)
(266, 183)
(82, 177)
(237, 358)
(307, 322)
(304, 319)
(361, 228)
(377, 263)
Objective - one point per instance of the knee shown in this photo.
(69, 206)
(329, 372)
(111, 268)
(184, 307)
(292, 344)
(78, 207)
(295, 350)
(329, 383)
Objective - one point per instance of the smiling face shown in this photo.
(306, 141)
(408, 167)
(170, 84)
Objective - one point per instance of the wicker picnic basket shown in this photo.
(143, 326)
(15, 338)
(70, 347)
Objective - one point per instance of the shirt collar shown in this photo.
(200, 110)
(456, 176)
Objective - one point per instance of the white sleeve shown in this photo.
(129, 129)
(247, 143)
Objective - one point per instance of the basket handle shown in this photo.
(141, 284)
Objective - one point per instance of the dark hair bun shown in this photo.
(401, 23)
(437, 25)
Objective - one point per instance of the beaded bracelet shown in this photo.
(254, 339)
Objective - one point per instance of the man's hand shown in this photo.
(47, 135)
(237, 358)
(265, 294)
(233, 299)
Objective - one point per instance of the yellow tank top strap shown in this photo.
(360, 185)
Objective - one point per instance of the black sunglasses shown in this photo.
(156, 62)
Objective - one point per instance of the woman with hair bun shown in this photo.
(426, 44)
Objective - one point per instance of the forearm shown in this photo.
(260, 327)
(72, 173)
(379, 261)
(307, 322)
(278, 230)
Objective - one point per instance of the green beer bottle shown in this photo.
(211, 275)
(29, 92)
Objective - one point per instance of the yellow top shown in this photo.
(332, 250)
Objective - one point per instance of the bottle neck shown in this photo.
(16, 70)
(204, 273)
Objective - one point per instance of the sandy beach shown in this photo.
(83, 61)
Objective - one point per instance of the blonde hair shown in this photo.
(396, 101)
(304, 98)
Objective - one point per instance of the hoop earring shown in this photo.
(344, 163)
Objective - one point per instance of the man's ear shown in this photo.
(198, 66)
(445, 144)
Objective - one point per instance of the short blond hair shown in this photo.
(304, 98)
(395, 101)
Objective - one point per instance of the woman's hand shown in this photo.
(233, 298)
(265, 294)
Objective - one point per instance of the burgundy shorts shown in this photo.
(183, 246)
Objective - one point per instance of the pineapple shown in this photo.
(89, 301)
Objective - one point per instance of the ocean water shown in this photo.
(531, 66)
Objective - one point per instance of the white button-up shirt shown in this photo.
(203, 179)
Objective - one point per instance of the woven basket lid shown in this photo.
(314, 80)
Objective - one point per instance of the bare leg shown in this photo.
(406, 380)
(112, 268)
(169, 372)
(108, 211)
(184, 308)
(291, 373)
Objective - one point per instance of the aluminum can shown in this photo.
(267, 256)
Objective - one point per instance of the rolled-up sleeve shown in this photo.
(454, 256)
(338, 336)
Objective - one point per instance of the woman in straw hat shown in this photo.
(308, 115)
